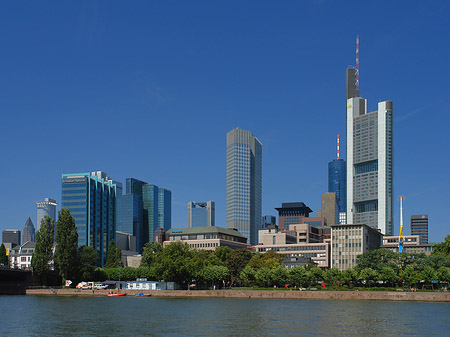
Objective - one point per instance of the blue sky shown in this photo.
(150, 89)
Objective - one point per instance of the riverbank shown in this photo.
(263, 294)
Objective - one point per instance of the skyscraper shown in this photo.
(45, 208)
(419, 226)
(244, 183)
(369, 164)
(29, 233)
(201, 214)
(11, 236)
(337, 183)
(130, 217)
(91, 200)
(156, 207)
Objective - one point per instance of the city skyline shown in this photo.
(275, 70)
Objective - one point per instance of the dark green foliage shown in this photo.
(66, 253)
(3, 257)
(149, 253)
(213, 275)
(377, 260)
(173, 263)
(299, 277)
(43, 252)
(442, 248)
(114, 257)
(88, 263)
(238, 260)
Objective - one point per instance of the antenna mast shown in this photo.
(338, 146)
(357, 64)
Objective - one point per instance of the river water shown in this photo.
(150, 316)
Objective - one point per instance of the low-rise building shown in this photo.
(20, 256)
(207, 238)
(351, 240)
(411, 244)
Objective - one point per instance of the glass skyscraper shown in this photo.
(369, 165)
(29, 233)
(201, 214)
(156, 204)
(45, 208)
(91, 200)
(337, 181)
(244, 183)
(130, 217)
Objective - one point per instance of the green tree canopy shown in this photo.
(299, 276)
(442, 248)
(238, 260)
(3, 257)
(114, 257)
(173, 263)
(66, 252)
(377, 260)
(43, 252)
(149, 253)
(88, 263)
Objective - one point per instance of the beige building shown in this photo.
(329, 209)
(411, 244)
(351, 240)
(298, 241)
(207, 238)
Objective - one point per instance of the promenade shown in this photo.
(263, 294)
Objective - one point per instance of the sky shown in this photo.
(149, 89)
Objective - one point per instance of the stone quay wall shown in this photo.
(264, 294)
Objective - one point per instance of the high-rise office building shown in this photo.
(419, 226)
(337, 183)
(45, 208)
(330, 209)
(290, 213)
(201, 214)
(156, 207)
(29, 232)
(369, 164)
(244, 183)
(130, 217)
(91, 200)
(269, 220)
(11, 236)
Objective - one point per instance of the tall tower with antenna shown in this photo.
(369, 158)
(337, 175)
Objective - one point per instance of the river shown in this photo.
(150, 316)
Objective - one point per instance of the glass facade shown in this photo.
(130, 217)
(244, 183)
(91, 200)
(29, 233)
(45, 208)
(337, 181)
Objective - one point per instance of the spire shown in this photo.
(357, 64)
(338, 146)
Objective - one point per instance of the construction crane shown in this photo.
(400, 240)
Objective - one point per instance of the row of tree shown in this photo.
(178, 263)
(61, 253)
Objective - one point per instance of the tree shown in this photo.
(279, 276)
(114, 256)
(173, 263)
(248, 276)
(333, 276)
(238, 260)
(213, 274)
(368, 275)
(377, 259)
(66, 252)
(388, 275)
(443, 274)
(3, 257)
(442, 248)
(350, 276)
(263, 277)
(43, 252)
(88, 263)
(223, 253)
(299, 277)
(150, 251)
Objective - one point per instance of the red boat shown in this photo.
(117, 294)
